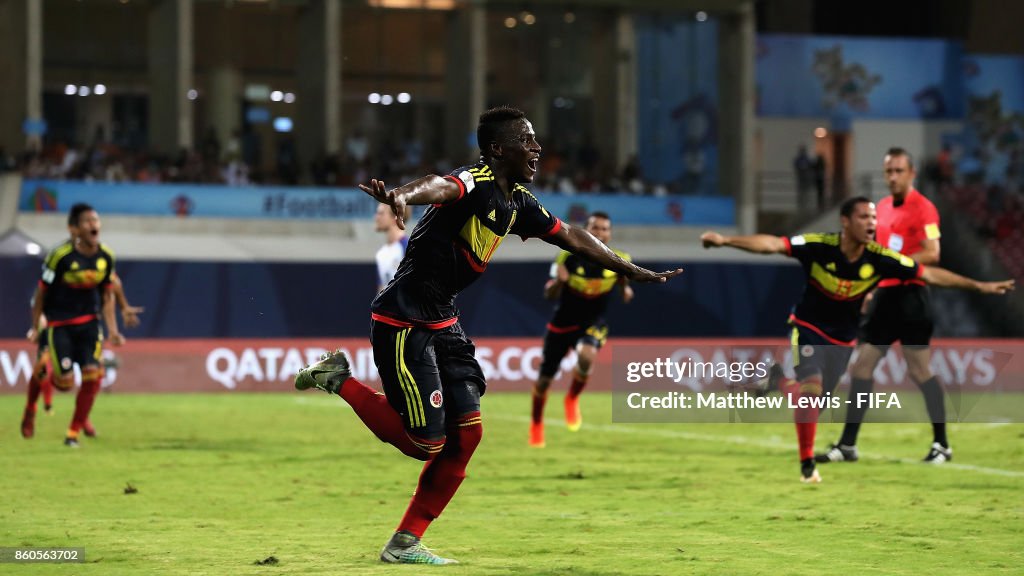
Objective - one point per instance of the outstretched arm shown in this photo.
(941, 277)
(579, 241)
(430, 189)
(757, 243)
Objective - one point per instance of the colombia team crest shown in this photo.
(436, 399)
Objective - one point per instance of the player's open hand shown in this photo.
(712, 239)
(996, 287)
(116, 339)
(130, 315)
(645, 275)
(384, 196)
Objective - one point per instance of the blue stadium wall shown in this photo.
(274, 300)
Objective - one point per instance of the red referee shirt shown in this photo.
(905, 227)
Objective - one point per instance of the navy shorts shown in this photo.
(80, 344)
(557, 344)
(430, 377)
(814, 355)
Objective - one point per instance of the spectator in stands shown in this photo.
(804, 172)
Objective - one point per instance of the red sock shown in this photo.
(84, 401)
(578, 384)
(33, 395)
(46, 384)
(442, 476)
(539, 399)
(377, 414)
(806, 418)
(805, 433)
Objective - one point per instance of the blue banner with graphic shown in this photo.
(677, 102)
(991, 147)
(341, 203)
(844, 78)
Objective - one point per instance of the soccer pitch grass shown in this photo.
(226, 480)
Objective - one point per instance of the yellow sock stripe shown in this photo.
(794, 340)
(812, 387)
(428, 448)
(417, 417)
(472, 422)
(399, 348)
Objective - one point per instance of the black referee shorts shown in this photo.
(901, 313)
(428, 376)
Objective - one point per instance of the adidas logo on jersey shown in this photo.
(492, 216)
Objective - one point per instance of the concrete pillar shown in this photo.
(318, 98)
(625, 64)
(223, 101)
(170, 75)
(21, 67)
(465, 81)
(736, 114)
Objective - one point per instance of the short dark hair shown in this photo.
(76, 212)
(847, 208)
(493, 125)
(599, 214)
(897, 151)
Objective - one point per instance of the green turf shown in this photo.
(226, 480)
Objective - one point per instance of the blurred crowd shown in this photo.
(565, 169)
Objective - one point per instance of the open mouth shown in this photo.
(532, 164)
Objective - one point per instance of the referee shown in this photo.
(908, 223)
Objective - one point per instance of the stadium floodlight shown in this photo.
(289, 97)
(404, 97)
(702, 16)
(71, 89)
(374, 98)
(510, 22)
(192, 94)
(386, 100)
(276, 96)
(84, 91)
(99, 89)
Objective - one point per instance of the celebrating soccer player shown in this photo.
(432, 382)
(76, 279)
(582, 289)
(908, 223)
(840, 269)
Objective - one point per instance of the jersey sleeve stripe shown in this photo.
(462, 188)
(789, 245)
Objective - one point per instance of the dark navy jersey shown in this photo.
(452, 244)
(585, 295)
(73, 282)
(836, 287)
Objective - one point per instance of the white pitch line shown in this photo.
(774, 444)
